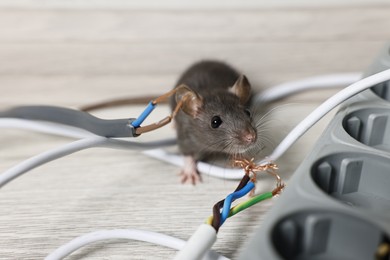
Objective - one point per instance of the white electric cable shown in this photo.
(203, 167)
(324, 108)
(56, 153)
(198, 244)
(139, 146)
(132, 234)
(312, 83)
(48, 156)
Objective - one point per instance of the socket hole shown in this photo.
(382, 90)
(321, 235)
(359, 180)
(370, 127)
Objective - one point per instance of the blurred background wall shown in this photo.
(75, 52)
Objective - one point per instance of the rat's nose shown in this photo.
(249, 137)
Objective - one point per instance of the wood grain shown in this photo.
(69, 55)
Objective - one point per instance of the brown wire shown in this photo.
(217, 207)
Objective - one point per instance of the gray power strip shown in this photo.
(337, 204)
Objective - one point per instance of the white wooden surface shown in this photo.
(66, 55)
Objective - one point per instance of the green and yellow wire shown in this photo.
(246, 204)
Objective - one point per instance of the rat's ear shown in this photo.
(242, 89)
(191, 101)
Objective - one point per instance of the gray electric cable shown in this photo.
(71, 117)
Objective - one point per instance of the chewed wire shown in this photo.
(216, 219)
(182, 99)
(245, 186)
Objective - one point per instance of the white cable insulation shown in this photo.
(56, 153)
(318, 82)
(48, 156)
(198, 244)
(132, 234)
(204, 168)
(130, 145)
(324, 108)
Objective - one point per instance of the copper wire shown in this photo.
(251, 168)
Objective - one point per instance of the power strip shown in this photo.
(337, 204)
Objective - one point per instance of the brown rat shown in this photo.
(217, 120)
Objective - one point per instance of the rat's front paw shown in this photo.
(192, 177)
(189, 173)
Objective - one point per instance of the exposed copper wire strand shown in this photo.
(250, 167)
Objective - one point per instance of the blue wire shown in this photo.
(136, 123)
(232, 197)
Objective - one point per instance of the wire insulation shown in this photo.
(324, 108)
(243, 206)
(75, 118)
(249, 203)
(232, 197)
(137, 122)
(48, 156)
(203, 167)
(45, 127)
(319, 82)
(216, 220)
(59, 152)
(198, 244)
(131, 234)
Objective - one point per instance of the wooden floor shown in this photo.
(66, 54)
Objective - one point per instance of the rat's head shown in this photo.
(221, 119)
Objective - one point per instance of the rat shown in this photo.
(217, 120)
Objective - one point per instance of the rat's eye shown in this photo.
(216, 121)
(248, 112)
